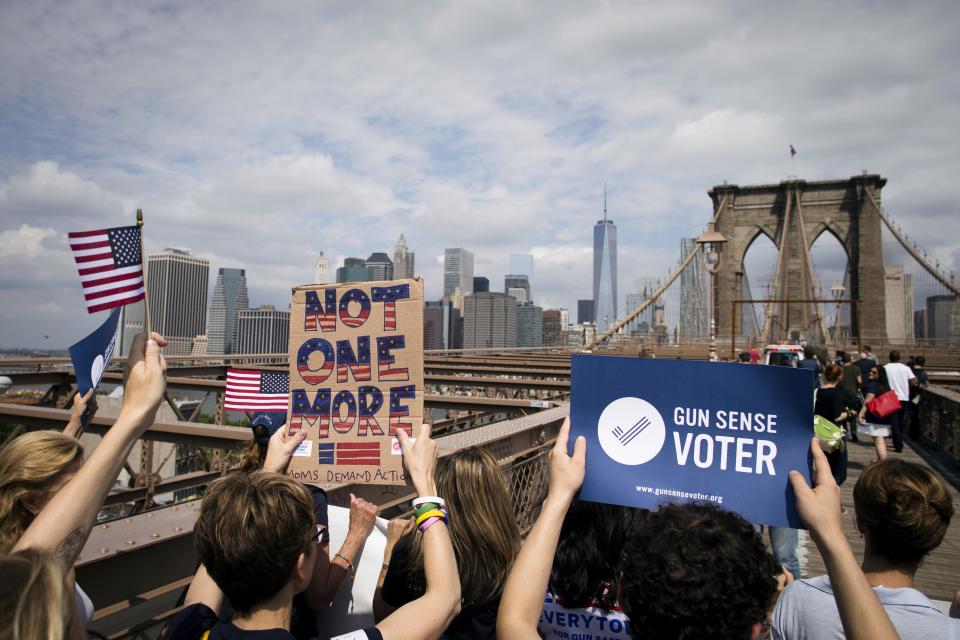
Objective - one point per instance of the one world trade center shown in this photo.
(604, 270)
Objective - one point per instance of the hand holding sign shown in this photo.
(566, 471)
(145, 378)
(819, 506)
(280, 448)
(84, 408)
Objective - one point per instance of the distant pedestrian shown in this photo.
(850, 383)
(810, 362)
(916, 395)
(866, 362)
(744, 358)
(871, 424)
(754, 354)
(901, 380)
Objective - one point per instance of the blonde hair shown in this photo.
(35, 603)
(29, 467)
(483, 524)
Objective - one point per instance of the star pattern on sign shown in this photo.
(125, 245)
(274, 382)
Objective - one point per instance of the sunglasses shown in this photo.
(318, 536)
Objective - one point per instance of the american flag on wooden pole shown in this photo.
(110, 262)
(249, 390)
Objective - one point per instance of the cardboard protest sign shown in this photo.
(356, 378)
(91, 356)
(662, 431)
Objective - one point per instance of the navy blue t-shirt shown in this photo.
(193, 621)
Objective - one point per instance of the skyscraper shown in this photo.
(529, 325)
(380, 266)
(553, 329)
(457, 271)
(604, 270)
(263, 330)
(481, 284)
(489, 321)
(402, 259)
(517, 281)
(321, 273)
(229, 296)
(177, 284)
(353, 270)
(585, 312)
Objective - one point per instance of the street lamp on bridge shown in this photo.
(712, 241)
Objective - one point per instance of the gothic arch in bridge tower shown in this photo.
(794, 214)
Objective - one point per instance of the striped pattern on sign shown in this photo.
(349, 453)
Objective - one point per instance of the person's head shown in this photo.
(483, 525)
(808, 352)
(255, 536)
(744, 357)
(35, 603)
(588, 555)
(832, 373)
(878, 375)
(696, 571)
(920, 361)
(846, 358)
(903, 510)
(33, 468)
(867, 350)
(894, 356)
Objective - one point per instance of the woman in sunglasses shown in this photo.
(871, 424)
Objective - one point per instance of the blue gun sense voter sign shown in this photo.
(662, 431)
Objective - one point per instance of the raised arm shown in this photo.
(77, 424)
(64, 524)
(426, 617)
(862, 615)
(527, 583)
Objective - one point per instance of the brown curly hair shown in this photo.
(696, 571)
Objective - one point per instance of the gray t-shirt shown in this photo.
(807, 609)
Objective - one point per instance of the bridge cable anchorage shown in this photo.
(646, 303)
(914, 250)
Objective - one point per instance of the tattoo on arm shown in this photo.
(69, 548)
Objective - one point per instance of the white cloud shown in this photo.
(24, 242)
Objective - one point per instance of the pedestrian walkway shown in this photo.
(939, 576)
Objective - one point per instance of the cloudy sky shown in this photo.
(257, 134)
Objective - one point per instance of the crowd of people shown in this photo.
(458, 567)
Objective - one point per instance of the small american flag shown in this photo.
(110, 263)
(349, 453)
(256, 390)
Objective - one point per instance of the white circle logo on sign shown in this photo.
(96, 370)
(631, 431)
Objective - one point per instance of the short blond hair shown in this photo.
(29, 466)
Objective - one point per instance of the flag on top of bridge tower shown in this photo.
(110, 263)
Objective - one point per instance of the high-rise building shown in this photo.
(353, 270)
(263, 330)
(457, 271)
(529, 325)
(321, 272)
(564, 318)
(521, 263)
(489, 321)
(229, 296)
(942, 312)
(518, 281)
(442, 326)
(553, 329)
(402, 259)
(481, 284)
(605, 270)
(380, 266)
(693, 295)
(585, 311)
(129, 325)
(177, 284)
(898, 294)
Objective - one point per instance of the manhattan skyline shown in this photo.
(487, 126)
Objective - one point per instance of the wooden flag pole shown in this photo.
(148, 329)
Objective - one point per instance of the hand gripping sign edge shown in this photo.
(631, 431)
